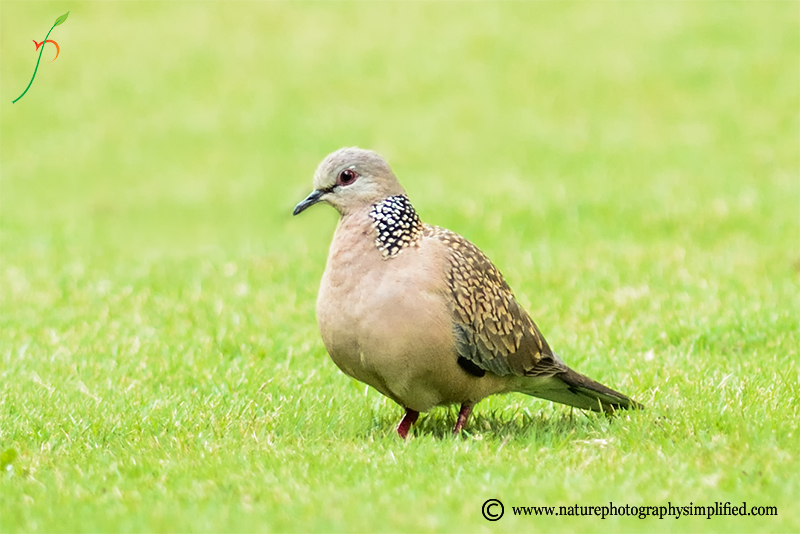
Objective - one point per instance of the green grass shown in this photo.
(631, 167)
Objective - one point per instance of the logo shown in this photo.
(493, 510)
(58, 49)
(59, 20)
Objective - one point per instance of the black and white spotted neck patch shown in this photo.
(397, 225)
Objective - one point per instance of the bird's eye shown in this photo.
(347, 177)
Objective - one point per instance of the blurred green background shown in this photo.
(631, 167)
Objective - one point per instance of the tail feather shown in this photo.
(575, 389)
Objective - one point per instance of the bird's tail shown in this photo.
(575, 389)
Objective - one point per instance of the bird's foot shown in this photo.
(463, 415)
(405, 425)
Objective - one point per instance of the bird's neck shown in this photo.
(397, 225)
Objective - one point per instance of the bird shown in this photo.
(420, 313)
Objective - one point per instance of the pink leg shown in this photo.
(463, 415)
(408, 419)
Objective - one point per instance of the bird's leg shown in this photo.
(463, 415)
(408, 419)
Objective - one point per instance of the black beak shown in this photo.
(310, 200)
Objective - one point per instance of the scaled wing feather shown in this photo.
(492, 330)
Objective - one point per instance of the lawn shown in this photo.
(632, 168)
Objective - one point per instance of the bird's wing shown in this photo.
(492, 330)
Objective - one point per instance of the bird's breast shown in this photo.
(385, 321)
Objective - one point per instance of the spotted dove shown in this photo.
(420, 313)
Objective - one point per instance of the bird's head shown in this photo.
(350, 179)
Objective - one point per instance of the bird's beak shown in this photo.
(310, 200)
